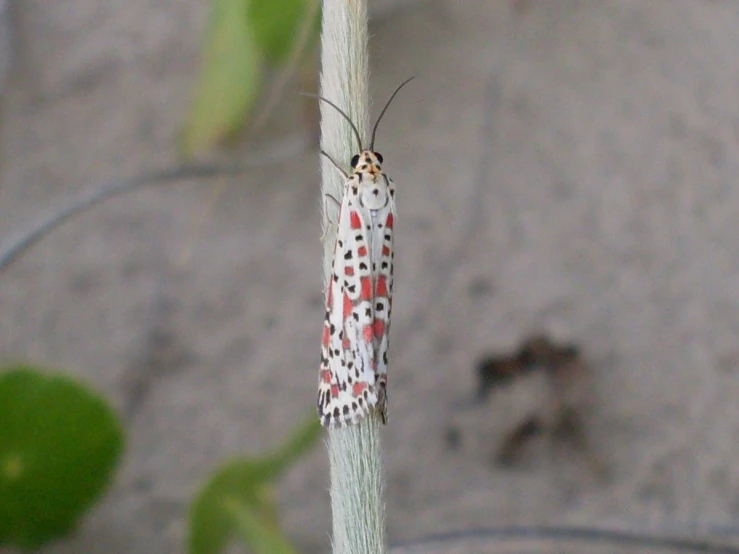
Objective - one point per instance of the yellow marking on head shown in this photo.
(369, 164)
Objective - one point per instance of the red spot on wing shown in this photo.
(347, 306)
(367, 332)
(385, 251)
(358, 389)
(381, 291)
(389, 222)
(334, 391)
(366, 293)
(362, 251)
(324, 340)
(379, 328)
(354, 220)
(325, 375)
(349, 270)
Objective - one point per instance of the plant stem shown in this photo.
(180, 173)
(357, 481)
(357, 488)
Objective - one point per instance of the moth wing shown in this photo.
(382, 283)
(346, 390)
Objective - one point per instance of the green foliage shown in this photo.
(238, 501)
(276, 24)
(229, 81)
(59, 445)
(243, 38)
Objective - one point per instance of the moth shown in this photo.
(354, 346)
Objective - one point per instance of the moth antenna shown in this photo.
(338, 109)
(387, 105)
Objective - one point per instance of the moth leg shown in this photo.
(337, 166)
(329, 222)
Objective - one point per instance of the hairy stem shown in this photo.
(357, 481)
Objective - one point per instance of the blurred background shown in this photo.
(565, 174)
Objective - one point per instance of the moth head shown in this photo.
(367, 162)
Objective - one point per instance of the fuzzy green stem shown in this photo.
(357, 481)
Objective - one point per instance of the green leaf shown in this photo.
(301, 441)
(256, 526)
(276, 25)
(229, 81)
(59, 445)
(237, 501)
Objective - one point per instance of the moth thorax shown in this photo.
(374, 193)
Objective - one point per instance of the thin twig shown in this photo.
(179, 173)
(590, 535)
(444, 266)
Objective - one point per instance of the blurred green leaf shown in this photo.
(237, 502)
(242, 38)
(301, 441)
(257, 524)
(276, 26)
(59, 445)
(229, 81)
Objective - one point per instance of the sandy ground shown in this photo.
(565, 166)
